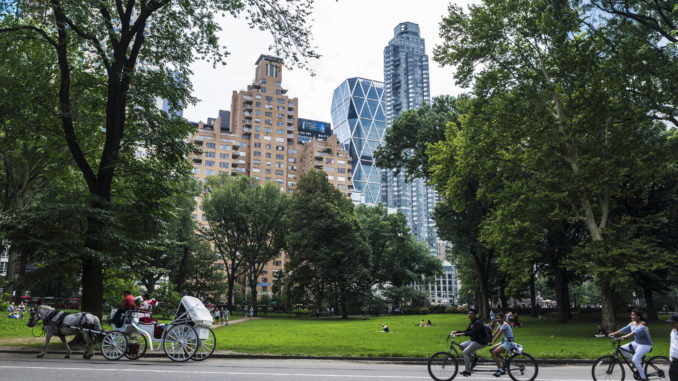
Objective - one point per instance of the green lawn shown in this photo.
(288, 335)
(357, 337)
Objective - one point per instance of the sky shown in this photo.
(350, 36)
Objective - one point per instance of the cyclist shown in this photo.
(478, 340)
(642, 344)
(503, 328)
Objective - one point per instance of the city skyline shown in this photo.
(353, 52)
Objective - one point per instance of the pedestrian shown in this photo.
(244, 312)
(216, 315)
(673, 349)
(226, 313)
(492, 317)
(251, 312)
(332, 311)
(328, 311)
(317, 313)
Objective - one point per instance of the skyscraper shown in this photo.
(359, 118)
(406, 86)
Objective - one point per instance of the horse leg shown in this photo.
(68, 349)
(48, 337)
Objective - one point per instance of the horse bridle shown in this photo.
(34, 310)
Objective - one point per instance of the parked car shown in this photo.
(73, 303)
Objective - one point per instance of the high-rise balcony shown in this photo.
(246, 131)
(235, 154)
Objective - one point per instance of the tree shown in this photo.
(551, 102)
(117, 58)
(397, 258)
(325, 246)
(246, 225)
(32, 153)
(405, 143)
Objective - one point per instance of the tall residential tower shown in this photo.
(406, 86)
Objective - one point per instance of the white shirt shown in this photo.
(673, 351)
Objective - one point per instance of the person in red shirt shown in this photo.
(127, 305)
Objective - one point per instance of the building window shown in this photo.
(268, 155)
(328, 161)
(269, 99)
(268, 146)
(196, 171)
(210, 145)
(341, 170)
(268, 114)
(279, 156)
(279, 172)
(281, 108)
(223, 156)
(209, 163)
(257, 145)
(256, 162)
(256, 153)
(209, 172)
(268, 122)
(210, 154)
(224, 147)
(271, 70)
(223, 165)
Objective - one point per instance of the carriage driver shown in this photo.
(127, 305)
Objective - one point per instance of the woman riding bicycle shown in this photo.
(503, 328)
(642, 344)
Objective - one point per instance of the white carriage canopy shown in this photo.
(196, 311)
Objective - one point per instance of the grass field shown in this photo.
(357, 337)
(287, 335)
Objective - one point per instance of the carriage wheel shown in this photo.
(205, 347)
(136, 346)
(113, 345)
(180, 342)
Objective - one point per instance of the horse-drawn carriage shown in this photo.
(188, 336)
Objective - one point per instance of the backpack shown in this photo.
(488, 335)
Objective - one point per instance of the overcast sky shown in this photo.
(350, 35)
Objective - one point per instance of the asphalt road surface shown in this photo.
(20, 367)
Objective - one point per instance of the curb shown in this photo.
(230, 355)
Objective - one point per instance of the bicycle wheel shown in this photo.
(136, 346)
(657, 368)
(442, 366)
(522, 367)
(607, 368)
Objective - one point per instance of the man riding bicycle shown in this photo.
(477, 340)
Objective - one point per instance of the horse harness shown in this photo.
(56, 317)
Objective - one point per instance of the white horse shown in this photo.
(62, 329)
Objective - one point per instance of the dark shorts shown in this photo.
(673, 370)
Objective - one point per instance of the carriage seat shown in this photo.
(148, 320)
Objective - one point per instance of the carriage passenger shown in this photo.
(147, 303)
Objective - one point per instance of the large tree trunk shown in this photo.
(651, 307)
(11, 271)
(562, 295)
(253, 291)
(181, 273)
(607, 294)
(533, 296)
(229, 292)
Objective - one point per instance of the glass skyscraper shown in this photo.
(359, 119)
(406, 86)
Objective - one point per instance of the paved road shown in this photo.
(20, 367)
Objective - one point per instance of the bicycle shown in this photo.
(610, 367)
(443, 366)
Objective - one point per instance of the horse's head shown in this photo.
(35, 316)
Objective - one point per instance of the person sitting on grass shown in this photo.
(601, 332)
(429, 324)
(384, 328)
(421, 323)
(503, 328)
